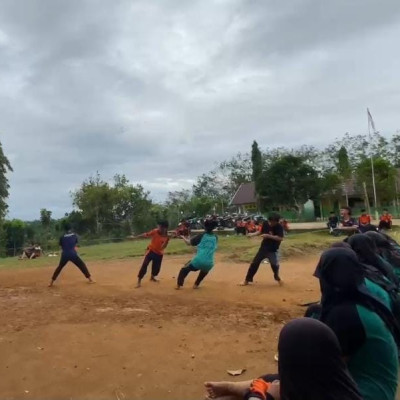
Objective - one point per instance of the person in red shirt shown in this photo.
(385, 220)
(155, 251)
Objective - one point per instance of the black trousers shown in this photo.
(270, 377)
(366, 228)
(155, 259)
(385, 225)
(261, 255)
(183, 273)
(74, 258)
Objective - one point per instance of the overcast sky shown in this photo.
(161, 90)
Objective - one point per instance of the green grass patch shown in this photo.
(234, 248)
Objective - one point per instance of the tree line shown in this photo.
(283, 177)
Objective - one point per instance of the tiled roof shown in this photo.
(246, 194)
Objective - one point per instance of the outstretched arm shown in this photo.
(258, 233)
(186, 240)
(133, 237)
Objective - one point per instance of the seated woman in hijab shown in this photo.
(387, 249)
(367, 253)
(366, 328)
(310, 367)
(376, 283)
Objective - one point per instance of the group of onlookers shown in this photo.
(348, 224)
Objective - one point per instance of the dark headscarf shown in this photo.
(341, 278)
(341, 245)
(386, 248)
(379, 240)
(367, 253)
(311, 365)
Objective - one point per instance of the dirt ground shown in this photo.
(111, 341)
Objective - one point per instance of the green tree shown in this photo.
(218, 186)
(290, 181)
(29, 232)
(385, 178)
(15, 236)
(343, 163)
(257, 164)
(94, 199)
(394, 150)
(45, 218)
(131, 205)
(5, 167)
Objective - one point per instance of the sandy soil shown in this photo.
(111, 341)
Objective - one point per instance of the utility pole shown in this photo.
(371, 124)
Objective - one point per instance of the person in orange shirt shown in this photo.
(251, 226)
(155, 251)
(364, 221)
(385, 220)
(240, 227)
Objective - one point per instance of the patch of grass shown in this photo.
(106, 251)
(234, 248)
(242, 249)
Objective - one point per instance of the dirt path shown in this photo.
(104, 341)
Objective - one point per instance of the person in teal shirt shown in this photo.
(203, 261)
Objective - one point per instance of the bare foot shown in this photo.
(245, 283)
(195, 286)
(227, 390)
(218, 389)
(90, 281)
(51, 284)
(138, 285)
(154, 279)
(177, 287)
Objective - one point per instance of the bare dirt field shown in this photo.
(111, 341)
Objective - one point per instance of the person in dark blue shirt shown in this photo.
(68, 243)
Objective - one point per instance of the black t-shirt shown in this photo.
(350, 222)
(333, 221)
(195, 241)
(270, 244)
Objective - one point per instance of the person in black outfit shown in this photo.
(68, 244)
(272, 234)
(333, 221)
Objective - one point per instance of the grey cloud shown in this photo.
(163, 90)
